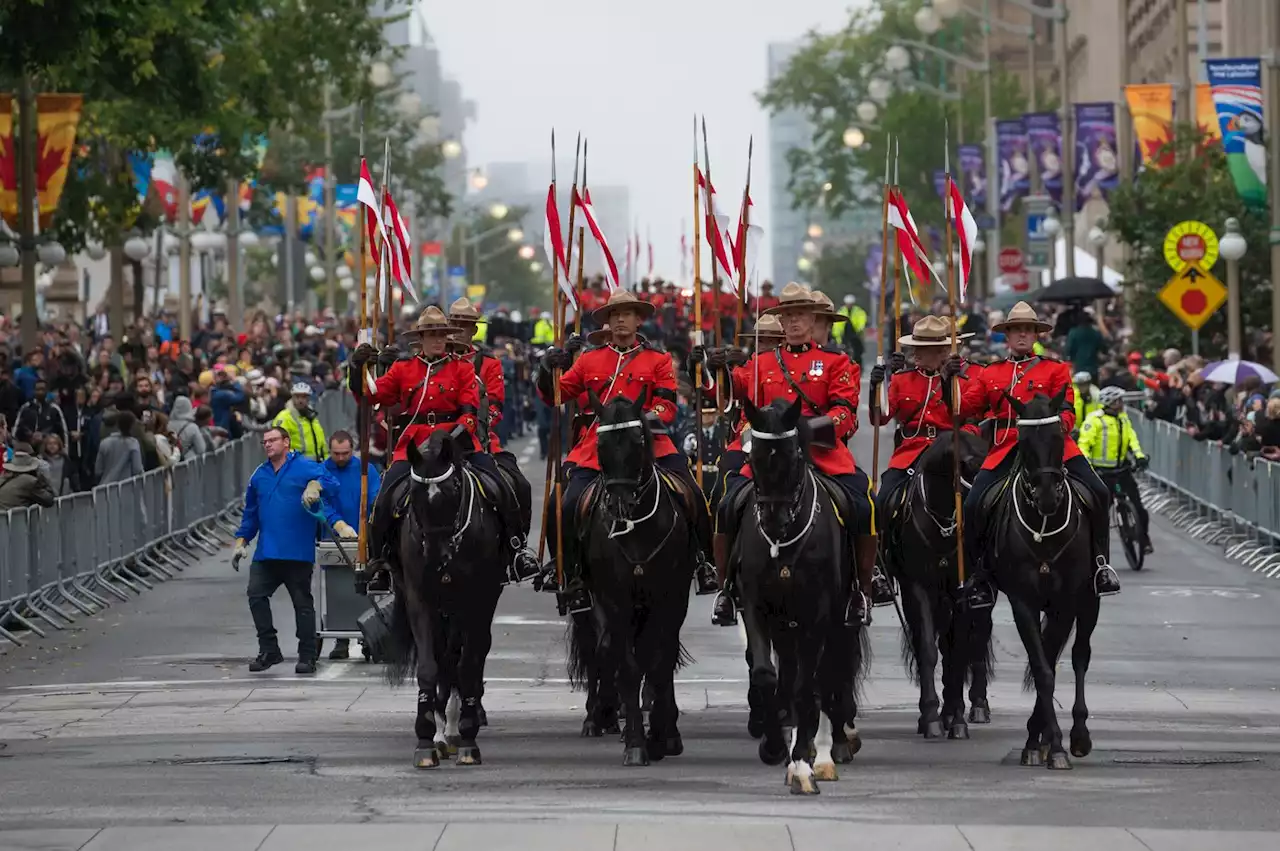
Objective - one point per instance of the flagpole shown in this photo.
(568, 260)
(881, 410)
(948, 212)
(715, 269)
(741, 259)
(578, 286)
(697, 304)
(897, 264)
(386, 246)
(364, 410)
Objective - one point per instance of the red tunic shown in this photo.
(438, 395)
(831, 381)
(611, 373)
(1023, 380)
(762, 303)
(915, 401)
(495, 389)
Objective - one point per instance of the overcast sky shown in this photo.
(630, 75)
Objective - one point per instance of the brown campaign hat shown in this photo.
(464, 310)
(769, 327)
(826, 308)
(931, 331)
(794, 295)
(433, 320)
(1022, 314)
(619, 299)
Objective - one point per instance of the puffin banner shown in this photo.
(1237, 96)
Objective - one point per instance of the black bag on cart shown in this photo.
(375, 626)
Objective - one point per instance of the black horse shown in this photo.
(920, 550)
(1037, 538)
(448, 578)
(638, 547)
(795, 579)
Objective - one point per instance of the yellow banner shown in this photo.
(8, 164)
(1207, 113)
(57, 116)
(1151, 105)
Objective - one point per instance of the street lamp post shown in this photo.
(1232, 246)
(1052, 227)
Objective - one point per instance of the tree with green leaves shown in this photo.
(508, 277)
(833, 73)
(1198, 186)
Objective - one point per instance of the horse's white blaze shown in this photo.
(452, 712)
(433, 491)
(824, 768)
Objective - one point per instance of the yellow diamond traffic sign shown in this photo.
(1193, 295)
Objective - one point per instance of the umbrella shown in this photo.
(1075, 289)
(1235, 371)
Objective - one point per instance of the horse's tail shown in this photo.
(400, 652)
(684, 659)
(860, 661)
(1028, 680)
(981, 647)
(910, 659)
(580, 656)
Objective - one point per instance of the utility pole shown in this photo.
(993, 153)
(1273, 183)
(1068, 212)
(1183, 109)
(184, 258)
(235, 303)
(330, 203)
(28, 213)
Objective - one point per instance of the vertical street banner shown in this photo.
(940, 182)
(1044, 133)
(1207, 113)
(8, 164)
(1151, 105)
(1237, 98)
(57, 117)
(973, 163)
(1097, 165)
(1015, 167)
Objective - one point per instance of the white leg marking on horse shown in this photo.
(791, 747)
(440, 722)
(803, 781)
(824, 768)
(452, 712)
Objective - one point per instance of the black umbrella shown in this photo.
(1075, 289)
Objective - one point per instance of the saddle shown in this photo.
(690, 498)
(492, 490)
(839, 499)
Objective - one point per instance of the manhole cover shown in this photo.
(1204, 759)
(238, 760)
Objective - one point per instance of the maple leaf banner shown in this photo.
(57, 117)
(8, 164)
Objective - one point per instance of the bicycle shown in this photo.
(1124, 517)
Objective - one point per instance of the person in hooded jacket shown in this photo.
(22, 484)
(182, 422)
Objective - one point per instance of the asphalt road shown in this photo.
(147, 714)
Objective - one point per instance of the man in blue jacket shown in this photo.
(276, 505)
(339, 465)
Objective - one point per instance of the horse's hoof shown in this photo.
(1031, 757)
(959, 730)
(1044, 753)
(636, 757)
(825, 771)
(920, 727)
(656, 748)
(1058, 761)
(591, 730)
(855, 740)
(468, 756)
(841, 753)
(1081, 744)
(453, 742)
(979, 715)
(755, 725)
(771, 755)
(804, 783)
(675, 745)
(611, 727)
(426, 758)
(933, 730)
(442, 751)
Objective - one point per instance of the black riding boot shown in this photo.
(724, 611)
(380, 532)
(705, 574)
(858, 612)
(574, 598)
(1105, 580)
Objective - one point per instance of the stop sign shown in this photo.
(1010, 260)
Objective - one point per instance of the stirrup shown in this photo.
(858, 612)
(1101, 573)
(978, 593)
(882, 588)
(523, 565)
(724, 611)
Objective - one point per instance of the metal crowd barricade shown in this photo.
(95, 547)
(1227, 499)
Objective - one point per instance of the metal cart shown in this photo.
(338, 606)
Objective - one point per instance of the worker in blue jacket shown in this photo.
(276, 505)
(340, 465)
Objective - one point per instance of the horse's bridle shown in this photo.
(792, 501)
(466, 503)
(1022, 480)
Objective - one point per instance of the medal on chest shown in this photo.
(815, 369)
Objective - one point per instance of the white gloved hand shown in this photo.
(242, 550)
(344, 530)
(311, 495)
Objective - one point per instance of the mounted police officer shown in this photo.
(1023, 375)
(635, 369)
(492, 387)
(436, 392)
(827, 383)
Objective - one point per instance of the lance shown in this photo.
(881, 409)
(697, 302)
(744, 228)
(578, 286)
(386, 246)
(948, 212)
(715, 270)
(364, 410)
(556, 379)
(897, 263)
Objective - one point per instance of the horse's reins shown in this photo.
(629, 525)
(1020, 480)
(463, 520)
(775, 547)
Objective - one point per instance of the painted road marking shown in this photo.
(1224, 593)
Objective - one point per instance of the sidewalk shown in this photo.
(603, 836)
